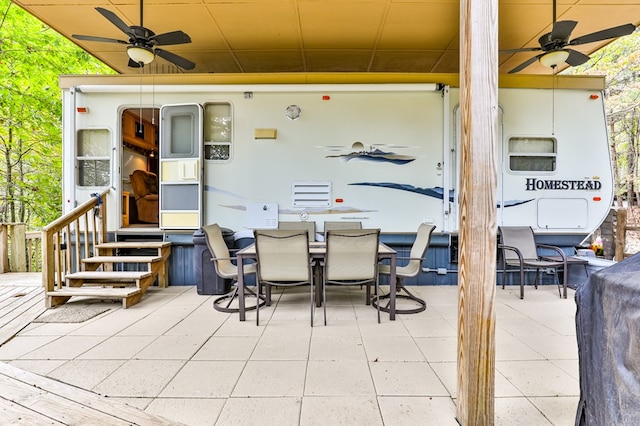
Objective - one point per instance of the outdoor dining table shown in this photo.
(317, 251)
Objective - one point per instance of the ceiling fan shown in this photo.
(554, 45)
(141, 46)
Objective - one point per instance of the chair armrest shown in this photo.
(556, 249)
(511, 248)
(213, 259)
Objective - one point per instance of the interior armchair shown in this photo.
(520, 250)
(145, 190)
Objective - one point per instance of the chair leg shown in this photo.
(324, 301)
(377, 284)
(368, 294)
(220, 305)
(257, 302)
(521, 281)
(422, 305)
(313, 301)
(267, 294)
(555, 270)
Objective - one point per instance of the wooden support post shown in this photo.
(18, 248)
(4, 248)
(621, 234)
(478, 228)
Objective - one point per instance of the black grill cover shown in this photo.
(608, 332)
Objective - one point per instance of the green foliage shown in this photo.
(32, 56)
(620, 63)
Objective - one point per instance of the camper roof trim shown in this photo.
(264, 88)
(452, 80)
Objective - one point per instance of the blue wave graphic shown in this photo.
(435, 192)
(375, 155)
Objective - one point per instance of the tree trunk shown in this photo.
(10, 200)
(614, 163)
(631, 159)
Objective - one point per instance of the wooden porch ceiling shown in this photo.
(269, 36)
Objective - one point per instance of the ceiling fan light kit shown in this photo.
(554, 58)
(142, 44)
(141, 54)
(555, 45)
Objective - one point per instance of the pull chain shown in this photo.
(553, 102)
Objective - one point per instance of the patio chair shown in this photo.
(225, 268)
(351, 259)
(309, 226)
(411, 269)
(519, 249)
(331, 226)
(283, 260)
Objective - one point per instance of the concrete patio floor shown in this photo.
(174, 356)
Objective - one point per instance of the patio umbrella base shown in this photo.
(421, 304)
(223, 303)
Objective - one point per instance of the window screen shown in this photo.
(532, 154)
(218, 122)
(93, 158)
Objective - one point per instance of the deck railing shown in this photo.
(621, 229)
(20, 251)
(71, 238)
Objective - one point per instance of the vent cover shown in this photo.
(311, 194)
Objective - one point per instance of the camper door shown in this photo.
(180, 168)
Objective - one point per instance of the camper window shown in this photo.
(93, 158)
(217, 131)
(532, 154)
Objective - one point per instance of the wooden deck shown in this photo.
(21, 301)
(30, 399)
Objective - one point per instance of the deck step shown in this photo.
(163, 249)
(106, 292)
(122, 259)
(129, 295)
(133, 245)
(102, 277)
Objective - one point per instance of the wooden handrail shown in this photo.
(64, 238)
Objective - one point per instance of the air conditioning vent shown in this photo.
(311, 194)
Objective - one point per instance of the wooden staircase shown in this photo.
(100, 280)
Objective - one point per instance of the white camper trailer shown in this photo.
(248, 153)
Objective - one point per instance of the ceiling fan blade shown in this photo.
(576, 58)
(524, 64)
(613, 32)
(173, 37)
(562, 30)
(102, 39)
(115, 20)
(523, 49)
(175, 59)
